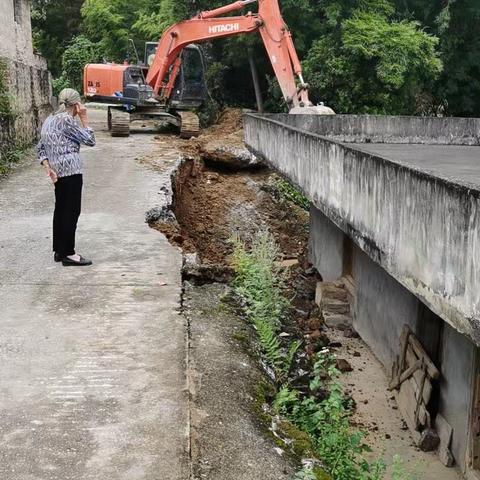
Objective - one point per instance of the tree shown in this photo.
(371, 63)
(54, 24)
(458, 26)
(79, 52)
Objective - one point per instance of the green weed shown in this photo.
(289, 192)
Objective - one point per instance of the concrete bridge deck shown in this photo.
(406, 197)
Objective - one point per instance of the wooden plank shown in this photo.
(406, 405)
(445, 433)
(400, 364)
(417, 378)
(420, 394)
(444, 430)
(404, 345)
(420, 353)
(405, 375)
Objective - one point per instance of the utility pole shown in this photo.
(256, 83)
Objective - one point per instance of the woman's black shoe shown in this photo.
(83, 262)
(57, 257)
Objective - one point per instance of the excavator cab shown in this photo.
(190, 88)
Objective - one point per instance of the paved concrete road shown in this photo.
(92, 361)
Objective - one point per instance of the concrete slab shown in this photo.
(454, 163)
(92, 384)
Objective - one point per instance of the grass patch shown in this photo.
(10, 155)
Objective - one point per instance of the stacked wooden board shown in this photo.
(412, 376)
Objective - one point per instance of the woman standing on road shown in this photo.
(58, 151)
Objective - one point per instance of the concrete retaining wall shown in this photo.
(423, 231)
(28, 79)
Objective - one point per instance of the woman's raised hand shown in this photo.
(81, 111)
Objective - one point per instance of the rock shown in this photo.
(329, 290)
(160, 214)
(231, 157)
(357, 354)
(340, 322)
(314, 323)
(350, 332)
(191, 260)
(288, 263)
(335, 344)
(343, 365)
(429, 440)
(315, 335)
(332, 306)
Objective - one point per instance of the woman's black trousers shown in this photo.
(68, 201)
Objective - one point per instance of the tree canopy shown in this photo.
(359, 56)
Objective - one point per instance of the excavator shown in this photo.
(171, 83)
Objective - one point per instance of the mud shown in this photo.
(211, 207)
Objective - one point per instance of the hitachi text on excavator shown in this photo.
(171, 83)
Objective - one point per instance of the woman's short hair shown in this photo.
(68, 97)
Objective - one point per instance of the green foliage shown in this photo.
(459, 85)
(153, 24)
(5, 97)
(305, 473)
(10, 155)
(58, 84)
(340, 448)
(54, 24)
(259, 283)
(323, 425)
(258, 280)
(289, 192)
(373, 64)
(79, 52)
(215, 81)
(360, 56)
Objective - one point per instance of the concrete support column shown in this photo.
(325, 246)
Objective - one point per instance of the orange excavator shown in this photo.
(171, 83)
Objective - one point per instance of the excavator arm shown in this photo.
(268, 22)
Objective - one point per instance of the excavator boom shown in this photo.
(210, 25)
